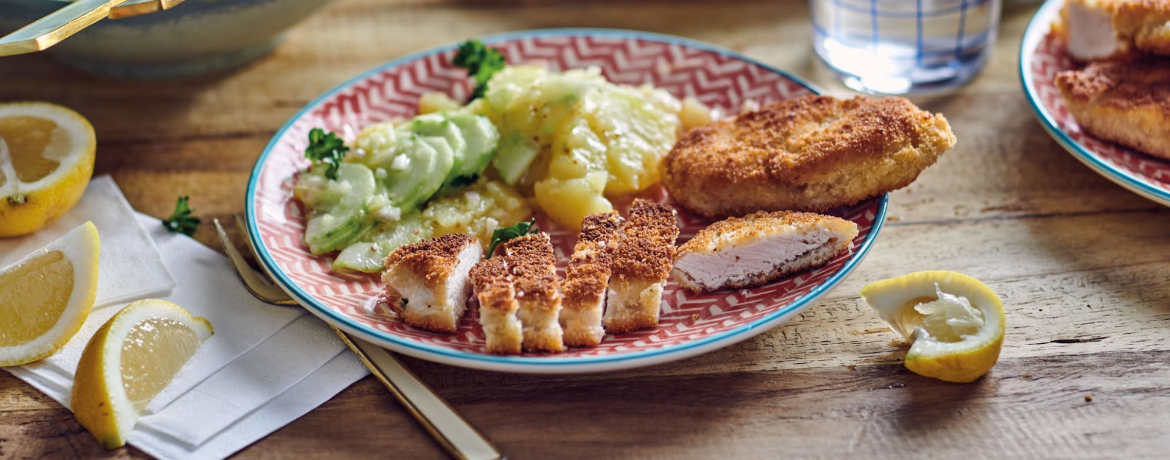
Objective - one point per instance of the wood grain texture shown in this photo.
(1079, 262)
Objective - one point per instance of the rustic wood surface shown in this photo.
(1080, 263)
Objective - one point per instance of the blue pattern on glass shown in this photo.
(904, 46)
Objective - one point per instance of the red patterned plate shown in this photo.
(690, 324)
(1042, 56)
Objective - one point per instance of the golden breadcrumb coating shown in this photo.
(729, 247)
(532, 264)
(587, 277)
(640, 265)
(494, 290)
(1123, 102)
(811, 153)
(433, 260)
(646, 250)
(588, 271)
(432, 263)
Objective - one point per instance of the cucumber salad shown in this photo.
(561, 141)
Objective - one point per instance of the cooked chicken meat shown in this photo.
(498, 308)
(759, 248)
(811, 153)
(532, 265)
(586, 279)
(1123, 102)
(427, 282)
(640, 266)
(1108, 29)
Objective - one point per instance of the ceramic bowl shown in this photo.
(194, 37)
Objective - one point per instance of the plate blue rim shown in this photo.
(513, 361)
(1032, 36)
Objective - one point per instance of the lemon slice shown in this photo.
(46, 160)
(46, 296)
(955, 322)
(129, 361)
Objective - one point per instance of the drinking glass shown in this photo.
(904, 46)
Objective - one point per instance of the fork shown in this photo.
(453, 433)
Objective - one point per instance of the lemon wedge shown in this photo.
(46, 296)
(955, 322)
(129, 361)
(46, 160)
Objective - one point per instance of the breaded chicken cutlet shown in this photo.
(1123, 102)
(426, 282)
(586, 279)
(532, 264)
(1110, 29)
(743, 252)
(640, 265)
(811, 153)
(496, 294)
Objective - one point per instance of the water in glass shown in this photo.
(904, 46)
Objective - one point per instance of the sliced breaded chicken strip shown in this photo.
(1123, 102)
(426, 282)
(586, 279)
(759, 248)
(1108, 29)
(497, 306)
(533, 267)
(811, 153)
(641, 263)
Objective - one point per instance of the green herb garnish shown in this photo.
(181, 220)
(481, 63)
(325, 148)
(503, 234)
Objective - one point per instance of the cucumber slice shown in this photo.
(357, 182)
(423, 169)
(336, 226)
(482, 141)
(331, 231)
(438, 125)
(354, 184)
(362, 257)
(441, 125)
(368, 257)
(515, 155)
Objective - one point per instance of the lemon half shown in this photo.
(956, 322)
(46, 160)
(129, 361)
(46, 296)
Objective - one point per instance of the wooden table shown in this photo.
(1081, 265)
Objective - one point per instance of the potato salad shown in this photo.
(562, 142)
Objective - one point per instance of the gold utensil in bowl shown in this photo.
(150, 39)
(455, 434)
(61, 24)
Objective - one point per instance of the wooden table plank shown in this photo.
(1077, 260)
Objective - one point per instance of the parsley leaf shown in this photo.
(181, 220)
(481, 63)
(327, 149)
(503, 234)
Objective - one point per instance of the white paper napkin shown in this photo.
(264, 366)
(130, 266)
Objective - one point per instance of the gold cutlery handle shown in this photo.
(72, 18)
(453, 433)
(140, 7)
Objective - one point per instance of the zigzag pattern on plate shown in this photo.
(1050, 59)
(720, 81)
